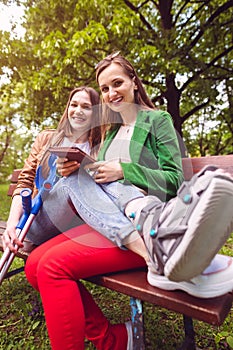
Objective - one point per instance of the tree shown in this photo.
(181, 49)
(14, 144)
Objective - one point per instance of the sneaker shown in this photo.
(129, 329)
(216, 280)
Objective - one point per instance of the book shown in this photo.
(72, 153)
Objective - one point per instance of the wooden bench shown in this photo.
(134, 282)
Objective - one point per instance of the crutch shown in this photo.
(31, 209)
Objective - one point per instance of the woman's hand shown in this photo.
(106, 171)
(66, 167)
(10, 239)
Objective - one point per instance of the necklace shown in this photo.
(127, 127)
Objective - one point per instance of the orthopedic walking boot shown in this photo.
(183, 235)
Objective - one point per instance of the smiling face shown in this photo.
(80, 112)
(117, 87)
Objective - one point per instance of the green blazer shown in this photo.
(156, 165)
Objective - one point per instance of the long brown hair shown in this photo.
(111, 118)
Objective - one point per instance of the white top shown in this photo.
(119, 147)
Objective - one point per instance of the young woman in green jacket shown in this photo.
(139, 165)
(139, 162)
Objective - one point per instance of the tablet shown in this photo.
(72, 153)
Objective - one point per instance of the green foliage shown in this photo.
(5, 202)
(209, 133)
(22, 323)
(14, 149)
(181, 50)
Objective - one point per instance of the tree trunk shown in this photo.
(5, 146)
(165, 7)
(172, 95)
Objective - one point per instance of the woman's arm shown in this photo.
(25, 180)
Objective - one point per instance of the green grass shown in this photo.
(5, 202)
(22, 325)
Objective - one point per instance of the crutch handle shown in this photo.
(26, 195)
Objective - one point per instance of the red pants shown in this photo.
(54, 269)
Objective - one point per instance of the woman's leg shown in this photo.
(101, 207)
(54, 269)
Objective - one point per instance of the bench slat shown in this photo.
(11, 189)
(14, 179)
(193, 165)
(2, 226)
(15, 174)
(134, 283)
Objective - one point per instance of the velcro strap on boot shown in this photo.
(183, 205)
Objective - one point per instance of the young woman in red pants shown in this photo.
(71, 314)
(146, 154)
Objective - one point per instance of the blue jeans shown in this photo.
(78, 196)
